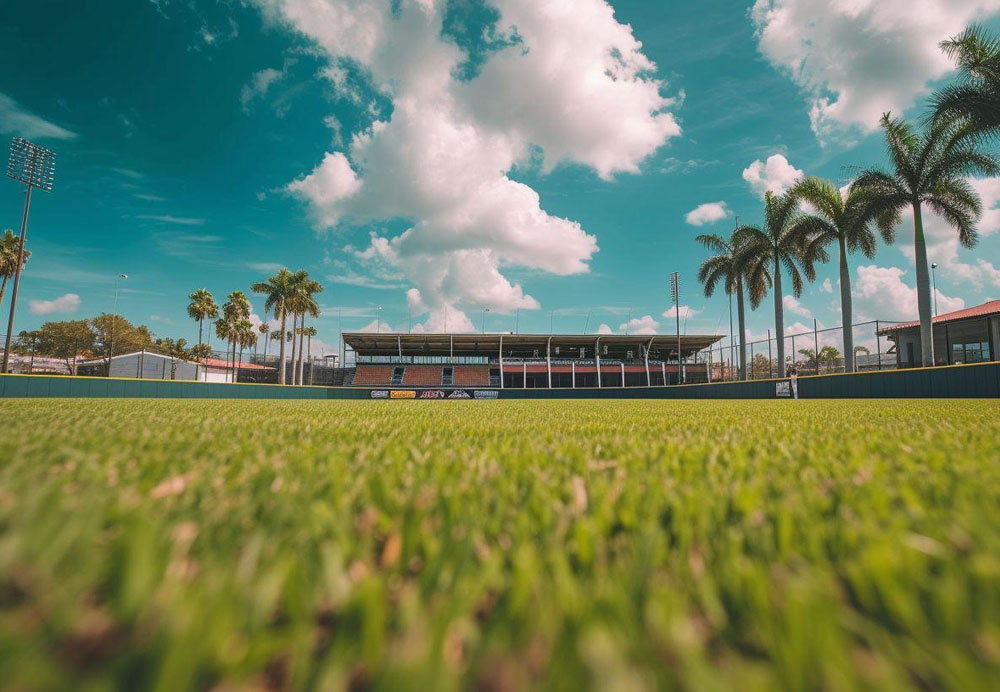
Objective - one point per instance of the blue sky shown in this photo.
(539, 159)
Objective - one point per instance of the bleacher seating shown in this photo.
(472, 375)
(373, 375)
(422, 376)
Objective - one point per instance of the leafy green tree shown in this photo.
(266, 333)
(175, 349)
(66, 340)
(839, 219)
(780, 242)
(278, 291)
(810, 356)
(829, 356)
(974, 100)
(8, 260)
(728, 265)
(929, 169)
(115, 335)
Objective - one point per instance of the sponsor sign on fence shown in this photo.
(435, 394)
(783, 389)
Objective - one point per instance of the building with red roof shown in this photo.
(970, 335)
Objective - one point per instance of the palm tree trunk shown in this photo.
(743, 329)
(923, 289)
(281, 357)
(302, 337)
(237, 378)
(201, 326)
(3, 287)
(779, 319)
(846, 309)
(295, 321)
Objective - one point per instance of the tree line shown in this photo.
(928, 167)
(287, 296)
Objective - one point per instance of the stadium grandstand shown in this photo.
(527, 360)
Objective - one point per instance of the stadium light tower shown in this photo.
(485, 310)
(33, 167)
(675, 295)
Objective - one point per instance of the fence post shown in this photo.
(770, 370)
(816, 343)
(878, 345)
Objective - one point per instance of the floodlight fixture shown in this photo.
(31, 165)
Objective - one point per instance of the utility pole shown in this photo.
(675, 294)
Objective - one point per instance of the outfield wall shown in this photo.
(957, 381)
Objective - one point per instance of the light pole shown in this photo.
(114, 319)
(378, 319)
(934, 280)
(627, 320)
(675, 294)
(586, 326)
(33, 167)
(485, 310)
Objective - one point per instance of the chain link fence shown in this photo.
(810, 351)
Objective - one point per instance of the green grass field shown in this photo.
(500, 545)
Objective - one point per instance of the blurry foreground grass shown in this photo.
(499, 545)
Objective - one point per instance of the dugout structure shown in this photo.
(528, 361)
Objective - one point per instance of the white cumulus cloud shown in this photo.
(855, 59)
(67, 303)
(774, 175)
(881, 293)
(709, 212)
(640, 325)
(793, 305)
(605, 329)
(686, 312)
(575, 87)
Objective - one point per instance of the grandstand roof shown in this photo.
(394, 344)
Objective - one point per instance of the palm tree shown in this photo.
(929, 168)
(310, 332)
(728, 265)
(201, 307)
(278, 289)
(244, 336)
(8, 259)
(839, 219)
(781, 242)
(230, 326)
(265, 332)
(304, 303)
(975, 98)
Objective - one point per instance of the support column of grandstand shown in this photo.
(528, 360)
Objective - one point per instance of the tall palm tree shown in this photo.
(304, 303)
(278, 289)
(201, 307)
(231, 325)
(8, 260)
(975, 98)
(840, 220)
(927, 169)
(244, 336)
(265, 332)
(310, 332)
(780, 242)
(729, 266)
